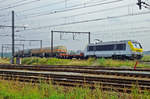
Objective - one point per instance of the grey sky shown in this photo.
(115, 21)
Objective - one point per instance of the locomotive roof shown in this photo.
(112, 42)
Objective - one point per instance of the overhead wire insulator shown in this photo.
(139, 4)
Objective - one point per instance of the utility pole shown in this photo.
(51, 43)
(23, 51)
(2, 52)
(13, 32)
(41, 44)
(89, 38)
(68, 32)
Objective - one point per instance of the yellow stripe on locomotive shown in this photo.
(135, 47)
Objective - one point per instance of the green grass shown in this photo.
(120, 63)
(89, 62)
(4, 61)
(55, 61)
(45, 61)
(18, 90)
(146, 58)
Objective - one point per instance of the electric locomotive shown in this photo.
(127, 49)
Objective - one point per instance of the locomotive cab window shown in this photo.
(137, 45)
(121, 47)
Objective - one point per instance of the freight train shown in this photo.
(127, 49)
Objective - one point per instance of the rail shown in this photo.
(108, 78)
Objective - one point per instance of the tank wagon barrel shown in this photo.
(44, 52)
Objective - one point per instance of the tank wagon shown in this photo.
(44, 52)
(129, 49)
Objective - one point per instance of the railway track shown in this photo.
(145, 62)
(130, 72)
(119, 79)
(75, 79)
(8, 66)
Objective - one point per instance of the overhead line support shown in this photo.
(69, 32)
(52, 43)
(13, 32)
(2, 52)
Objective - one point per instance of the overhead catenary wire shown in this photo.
(139, 33)
(13, 3)
(118, 31)
(43, 6)
(146, 7)
(17, 5)
(70, 9)
(130, 31)
(2, 1)
(10, 35)
(127, 29)
(56, 3)
(32, 13)
(90, 20)
(84, 13)
(101, 10)
(22, 4)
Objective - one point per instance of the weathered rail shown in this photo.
(109, 78)
(99, 70)
(77, 79)
(7, 66)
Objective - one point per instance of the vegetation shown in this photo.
(89, 62)
(44, 61)
(19, 90)
(146, 58)
(55, 61)
(4, 61)
(120, 63)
